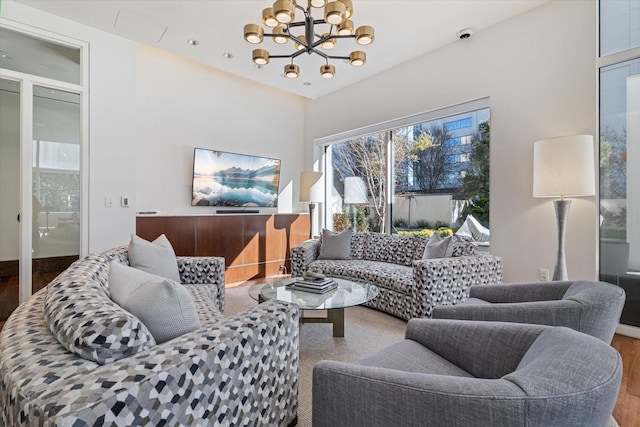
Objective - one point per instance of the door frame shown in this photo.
(26, 83)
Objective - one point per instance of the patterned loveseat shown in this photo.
(408, 285)
(240, 370)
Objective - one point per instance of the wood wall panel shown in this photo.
(181, 233)
(253, 246)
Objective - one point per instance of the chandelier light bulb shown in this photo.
(327, 71)
(365, 35)
(335, 12)
(281, 35)
(349, 8)
(291, 71)
(253, 33)
(317, 3)
(268, 18)
(300, 46)
(284, 11)
(329, 43)
(260, 56)
(346, 28)
(357, 58)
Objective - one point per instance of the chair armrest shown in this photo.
(446, 281)
(353, 395)
(241, 371)
(302, 255)
(554, 313)
(204, 270)
(520, 292)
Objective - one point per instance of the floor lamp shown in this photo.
(563, 167)
(355, 192)
(311, 191)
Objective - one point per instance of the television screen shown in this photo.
(229, 179)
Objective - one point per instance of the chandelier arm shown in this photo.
(335, 57)
(296, 24)
(338, 36)
(292, 56)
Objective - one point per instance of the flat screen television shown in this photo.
(234, 180)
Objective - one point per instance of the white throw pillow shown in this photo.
(155, 257)
(438, 247)
(166, 309)
(123, 280)
(335, 245)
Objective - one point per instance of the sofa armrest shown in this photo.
(241, 371)
(446, 281)
(302, 255)
(204, 270)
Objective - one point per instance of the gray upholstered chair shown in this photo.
(458, 373)
(590, 307)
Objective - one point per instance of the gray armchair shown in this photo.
(590, 307)
(458, 373)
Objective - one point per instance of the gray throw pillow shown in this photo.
(438, 247)
(166, 309)
(123, 280)
(335, 245)
(155, 257)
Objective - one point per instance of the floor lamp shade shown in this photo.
(311, 187)
(563, 167)
(311, 191)
(355, 190)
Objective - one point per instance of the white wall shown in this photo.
(182, 104)
(539, 70)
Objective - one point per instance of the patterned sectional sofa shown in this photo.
(408, 285)
(240, 370)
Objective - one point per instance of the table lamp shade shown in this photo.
(564, 167)
(355, 190)
(311, 189)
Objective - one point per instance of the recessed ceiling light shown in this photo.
(258, 66)
(227, 55)
(3, 54)
(193, 42)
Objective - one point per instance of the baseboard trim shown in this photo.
(628, 330)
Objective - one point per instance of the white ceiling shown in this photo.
(404, 30)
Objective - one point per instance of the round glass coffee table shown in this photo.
(347, 294)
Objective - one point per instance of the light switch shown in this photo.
(108, 202)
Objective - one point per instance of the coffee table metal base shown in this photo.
(335, 316)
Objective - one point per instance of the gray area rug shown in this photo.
(365, 332)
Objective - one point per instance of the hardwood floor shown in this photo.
(626, 411)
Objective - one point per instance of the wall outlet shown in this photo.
(124, 201)
(543, 275)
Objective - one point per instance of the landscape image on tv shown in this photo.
(238, 180)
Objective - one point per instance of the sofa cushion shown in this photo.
(396, 249)
(335, 245)
(387, 275)
(463, 246)
(166, 309)
(157, 257)
(84, 319)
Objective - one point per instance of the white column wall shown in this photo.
(539, 70)
(633, 171)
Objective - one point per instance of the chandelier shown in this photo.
(281, 18)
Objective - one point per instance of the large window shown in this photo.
(619, 65)
(422, 175)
